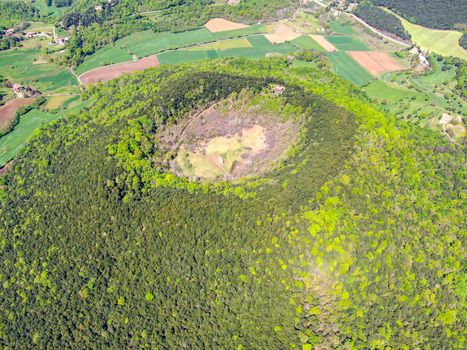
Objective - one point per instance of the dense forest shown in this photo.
(353, 241)
(382, 20)
(438, 14)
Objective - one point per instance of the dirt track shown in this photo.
(115, 70)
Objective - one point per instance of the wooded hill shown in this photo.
(353, 241)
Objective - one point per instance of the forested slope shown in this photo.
(353, 241)
(382, 20)
(438, 14)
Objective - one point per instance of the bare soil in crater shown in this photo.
(221, 143)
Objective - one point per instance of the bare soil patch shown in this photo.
(8, 111)
(7, 167)
(115, 70)
(282, 34)
(226, 144)
(376, 62)
(221, 25)
(323, 42)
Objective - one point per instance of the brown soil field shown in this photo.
(226, 144)
(221, 25)
(376, 62)
(115, 70)
(282, 34)
(8, 111)
(323, 42)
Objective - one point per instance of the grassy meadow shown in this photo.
(442, 42)
(25, 66)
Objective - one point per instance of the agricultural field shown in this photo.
(8, 111)
(147, 43)
(347, 68)
(13, 142)
(305, 23)
(222, 45)
(346, 43)
(113, 71)
(376, 62)
(58, 102)
(307, 42)
(281, 34)
(442, 42)
(421, 99)
(26, 66)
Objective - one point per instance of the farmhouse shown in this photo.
(23, 91)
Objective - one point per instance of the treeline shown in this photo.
(14, 12)
(63, 3)
(8, 42)
(438, 14)
(382, 20)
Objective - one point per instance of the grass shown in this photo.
(48, 10)
(443, 42)
(104, 56)
(307, 43)
(418, 98)
(340, 28)
(344, 66)
(223, 45)
(59, 101)
(147, 43)
(184, 56)
(17, 66)
(346, 43)
(219, 155)
(305, 23)
(12, 143)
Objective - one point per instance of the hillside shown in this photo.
(350, 238)
(436, 14)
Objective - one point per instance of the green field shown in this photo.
(307, 43)
(344, 66)
(13, 142)
(418, 98)
(48, 10)
(146, 43)
(184, 56)
(346, 43)
(18, 66)
(443, 42)
(260, 47)
(340, 28)
(222, 45)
